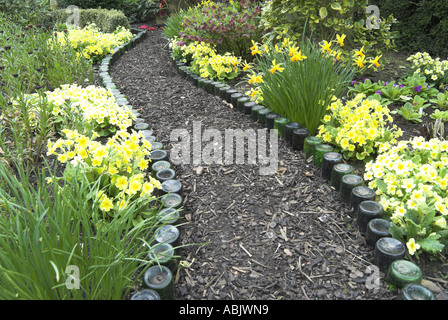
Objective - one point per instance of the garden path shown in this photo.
(280, 236)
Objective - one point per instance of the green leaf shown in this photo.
(323, 13)
(396, 232)
(381, 185)
(360, 156)
(430, 245)
(336, 6)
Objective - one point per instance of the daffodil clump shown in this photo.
(95, 105)
(360, 128)
(357, 57)
(120, 166)
(295, 80)
(435, 70)
(91, 43)
(411, 179)
(286, 48)
(205, 61)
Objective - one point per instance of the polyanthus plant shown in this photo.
(91, 43)
(203, 60)
(295, 80)
(434, 70)
(120, 165)
(93, 106)
(412, 182)
(360, 128)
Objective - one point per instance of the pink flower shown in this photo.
(144, 27)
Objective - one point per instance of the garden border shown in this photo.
(107, 82)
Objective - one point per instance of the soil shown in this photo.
(250, 236)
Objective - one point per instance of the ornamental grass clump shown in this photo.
(411, 179)
(360, 128)
(54, 245)
(296, 81)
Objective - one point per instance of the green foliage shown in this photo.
(29, 65)
(437, 114)
(229, 26)
(173, 24)
(88, 4)
(422, 24)
(323, 18)
(106, 20)
(441, 100)
(410, 113)
(25, 11)
(137, 10)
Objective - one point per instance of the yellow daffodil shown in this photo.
(340, 39)
(360, 62)
(256, 79)
(276, 67)
(374, 62)
(246, 66)
(360, 53)
(326, 46)
(298, 56)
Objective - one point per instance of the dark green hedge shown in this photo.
(106, 20)
(422, 24)
(89, 4)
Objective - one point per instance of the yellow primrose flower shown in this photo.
(106, 204)
(412, 246)
(121, 182)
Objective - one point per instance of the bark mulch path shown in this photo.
(268, 237)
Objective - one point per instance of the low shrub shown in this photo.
(231, 26)
(107, 21)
